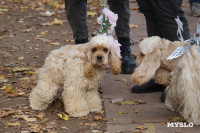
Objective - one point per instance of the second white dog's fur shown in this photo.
(181, 75)
(77, 70)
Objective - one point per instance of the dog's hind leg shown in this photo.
(43, 94)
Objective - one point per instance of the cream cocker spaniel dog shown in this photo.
(79, 70)
(180, 75)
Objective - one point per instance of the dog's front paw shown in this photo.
(77, 111)
(35, 105)
(96, 106)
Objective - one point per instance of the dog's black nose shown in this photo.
(99, 57)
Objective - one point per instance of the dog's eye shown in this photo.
(94, 50)
(105, 50)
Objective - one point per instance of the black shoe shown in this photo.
(150, 86)
(163, 97)
(80, 41)
(128, 63)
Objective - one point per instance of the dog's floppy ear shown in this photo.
(147, 68)
(89, 69)
(115, 63)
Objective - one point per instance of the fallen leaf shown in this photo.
(9, 89)
(91, 13)
(98, 117)
(13, 124)
(40, 115)
(63, 116)
(123, 80)
(21, 93)
(24, 117)
(162, 123)
(97, 131)
(57, 22)
(47, 13)
(24, 78)
(3, 10)
(43, 33)
(122, 112)
(177, 119)
(2, 77)
(45, 24)
(31, 72)
(92, 124)
(134, 8)
(20, 69)
(135, 102)
(4, 113)
(55, 43)
(128, 102)
(141, 128)
(27, 30)
(133, 26)
(100, 112)
(21, 58)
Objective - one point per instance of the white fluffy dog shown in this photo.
(181, 75)
(78, 69)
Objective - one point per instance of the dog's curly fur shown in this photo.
(181, 75)
(76, 69)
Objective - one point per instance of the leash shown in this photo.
(183, 49)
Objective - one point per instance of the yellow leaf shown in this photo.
(3, 10)
(91, 124)
(55, 43)
(43, 33)
(141, 128)
(177, 119)
(31, 72)
(63, 116)
(128, 102)
(13, 124)
(90, 13)
(24, 117)
(133, 26)
(9, 89)
(122, 112)
(57, 22)
(100, 112)
(98, 117)
(2, 77)
(134, 8)
(21, 58)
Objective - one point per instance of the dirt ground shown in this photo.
(26, 38)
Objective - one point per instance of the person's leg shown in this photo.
(152, 30)
(195, 8)
(76, 11)
(121, 7)
(151, 22)
(165, 13)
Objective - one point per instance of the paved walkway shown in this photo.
(153, 114)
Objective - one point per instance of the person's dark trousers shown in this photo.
(160, 21)
(122, 30)
(76, 11)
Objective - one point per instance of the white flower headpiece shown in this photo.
(108, 22)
